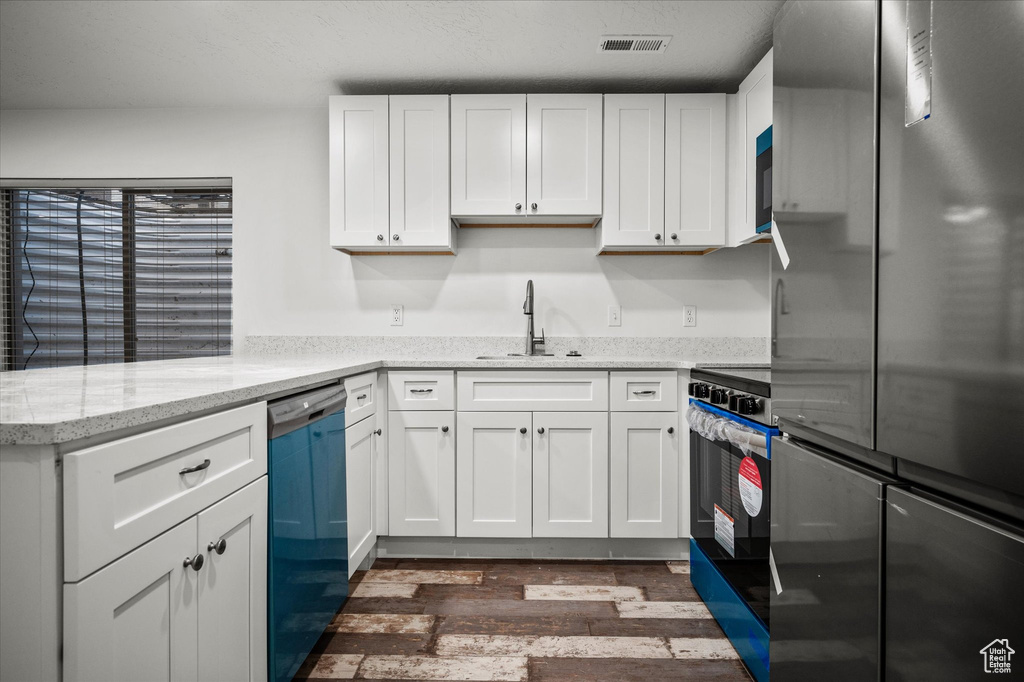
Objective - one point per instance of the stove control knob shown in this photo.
(747, 405)
(719, 396)
(700, 391)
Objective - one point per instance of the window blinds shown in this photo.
(96, 275)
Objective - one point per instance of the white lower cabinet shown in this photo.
(360, 463)
(151, 616)
(493, 487)
(421, 473)
(570, 474)
(644, 474)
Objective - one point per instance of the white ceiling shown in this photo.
(106, 54)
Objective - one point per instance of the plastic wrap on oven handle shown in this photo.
(713, 427)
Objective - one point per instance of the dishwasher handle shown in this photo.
(296, 411)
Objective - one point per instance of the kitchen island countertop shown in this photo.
(53, 406)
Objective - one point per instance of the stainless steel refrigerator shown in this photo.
(898, 340)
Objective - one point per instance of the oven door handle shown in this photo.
(714, 427)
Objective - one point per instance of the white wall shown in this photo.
(288, 281)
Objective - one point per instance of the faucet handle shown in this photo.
(540, 341)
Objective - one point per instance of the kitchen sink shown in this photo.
(514, 355)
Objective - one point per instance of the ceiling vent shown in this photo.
(636, 43)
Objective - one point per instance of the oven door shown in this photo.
(730, 484)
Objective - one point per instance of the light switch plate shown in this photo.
(614, 316)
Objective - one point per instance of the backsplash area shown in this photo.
(698, 349)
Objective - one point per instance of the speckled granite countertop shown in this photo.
(46, 406)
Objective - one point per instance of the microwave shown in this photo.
(763, 184)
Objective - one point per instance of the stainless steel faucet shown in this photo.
(532, 341)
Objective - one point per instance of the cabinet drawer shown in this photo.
(421, 390)
(362, 397)
(120, 494)
(543, 391)
(644, 391)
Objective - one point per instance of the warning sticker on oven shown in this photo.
(724, 531)
(751, 493)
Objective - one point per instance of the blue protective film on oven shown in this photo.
(768, 431)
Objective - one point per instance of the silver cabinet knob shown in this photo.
(534, 206)
(671, 430)
(541, 430)
(380, 237)
(219, 546)
(378, 432)
(522, 430)
(444, 429)
(195, 562)
(674, 236)
(519, 207)
(394, 237)
(657, 237)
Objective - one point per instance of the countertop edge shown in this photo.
(63, 432)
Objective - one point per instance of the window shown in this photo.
(114, 274)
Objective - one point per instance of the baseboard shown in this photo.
(533, 548)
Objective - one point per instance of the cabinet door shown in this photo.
(233, 587)
(421, 469)
(570, 474)
(136, 619)
(644, 474)
(359, 466)
(359, 170)
(695, 170)
(753, 116)
(563, 154)
(488, 155)
(493, 483)
(419, 170)
(634, 170)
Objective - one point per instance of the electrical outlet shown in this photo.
(396, 315)
(689, 316)
(614, 316)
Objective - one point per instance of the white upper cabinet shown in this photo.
(488, 155)
(695, 170)
(750, 115)
(419, 171)
(389, 179)
(634, 170)
(516, 156)
(359, 170)
(563, 155)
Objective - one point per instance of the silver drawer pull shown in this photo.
(361, 397)
(421, 390)
(192, 470)
(644, 392)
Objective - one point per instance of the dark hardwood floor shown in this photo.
(523, 620)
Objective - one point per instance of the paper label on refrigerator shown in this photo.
(725, 533)
(919, 61)
(751, 493)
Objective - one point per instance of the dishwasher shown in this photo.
(307, 549)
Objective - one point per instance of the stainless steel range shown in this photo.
(730, 491)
